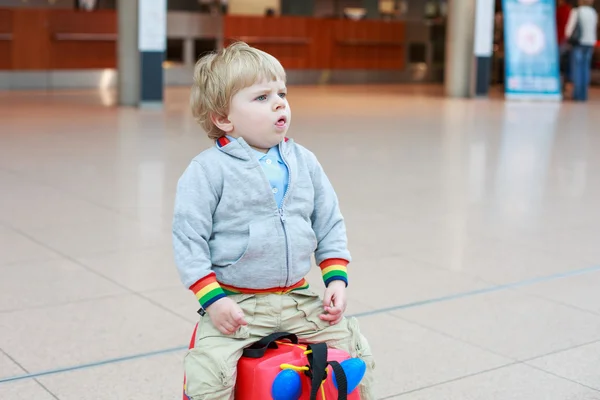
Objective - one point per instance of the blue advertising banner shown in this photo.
(531, 50)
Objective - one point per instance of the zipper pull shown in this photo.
(281, 215)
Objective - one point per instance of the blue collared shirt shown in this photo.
(275, 170)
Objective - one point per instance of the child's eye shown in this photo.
(282, 95)
(262, 97)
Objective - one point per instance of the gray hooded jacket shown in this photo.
(226, 219)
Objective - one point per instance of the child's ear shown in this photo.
(222, 122)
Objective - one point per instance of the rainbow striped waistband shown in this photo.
(229, 290)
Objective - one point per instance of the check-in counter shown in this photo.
(37, 39)
(312, 43)
(56, 48)
(326, 50)
(6, 35)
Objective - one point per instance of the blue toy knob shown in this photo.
(287, 386)
(355, 369)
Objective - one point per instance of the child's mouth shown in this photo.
(281, 122)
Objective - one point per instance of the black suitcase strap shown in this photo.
(258, 349)
(317, 361)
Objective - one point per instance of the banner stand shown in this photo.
(531, 51)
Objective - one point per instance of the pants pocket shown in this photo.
(360, 345)
(211, 372)
(310, 305)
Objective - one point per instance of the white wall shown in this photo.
(252, 7)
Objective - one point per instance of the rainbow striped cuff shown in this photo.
(207, 290)
(334, 269)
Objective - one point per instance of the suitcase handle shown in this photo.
(258, 349)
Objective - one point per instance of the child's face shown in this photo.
(260, 114)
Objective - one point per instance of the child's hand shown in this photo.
(226, 316)
(334, 294)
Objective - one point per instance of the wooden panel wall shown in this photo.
(368, 45)
(31, 43)
(313, 43)
(70, 39)
(286, 38)
(83, 40)
(44, 39)
(322, 46)
(5, 39)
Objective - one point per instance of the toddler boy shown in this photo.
(249, 214)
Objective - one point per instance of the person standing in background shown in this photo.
(583, 49)
(563, 10)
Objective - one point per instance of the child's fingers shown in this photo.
(226, 328)
(327, 299)
(332, 319)
(338, 305)
(333, 310)
(239, 318)
(328, 317)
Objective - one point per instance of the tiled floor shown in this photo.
(474, 226)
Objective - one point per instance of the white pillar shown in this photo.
(459, 48)
(484, 46)
(142, 32)
(128, 58)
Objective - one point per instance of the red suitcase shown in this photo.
(279, 370)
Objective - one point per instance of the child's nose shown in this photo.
(279, 104)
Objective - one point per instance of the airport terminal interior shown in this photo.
(473, 225)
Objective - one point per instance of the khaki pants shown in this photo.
(210, 366)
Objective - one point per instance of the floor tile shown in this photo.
(454, 248)
(139, 270)
(15, 247)
(509, 323)
(21, 389)
(577, 242)
(579, 290)
(100, 238)
(24, 390)
(8, 367)
(37, 206)
(412, 281)
(47, 283)
(92, 331)
(517, 382)
(579, 364)
(177, 300)
(156, 378)
(409, 357)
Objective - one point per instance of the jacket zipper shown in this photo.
(282, 217)
(287, 250)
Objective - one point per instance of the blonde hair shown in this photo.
(219, 76)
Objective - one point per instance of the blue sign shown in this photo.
(531, 50)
